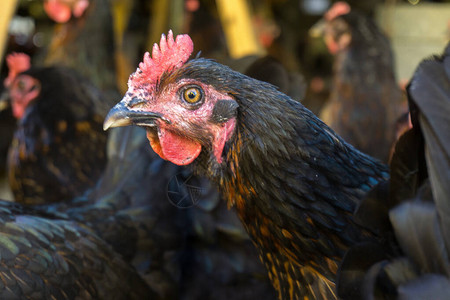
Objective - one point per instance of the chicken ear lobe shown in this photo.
(223, 111)
(224, 115)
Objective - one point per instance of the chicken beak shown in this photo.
(4, 100)
(121, 115)
(318, 29)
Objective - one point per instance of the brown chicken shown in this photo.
(293, 182)
(58, 149)
(365, 101)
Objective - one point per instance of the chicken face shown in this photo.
(23, 90)
(335, 31)
(182, 115)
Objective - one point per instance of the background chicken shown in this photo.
(293, 182)
(48, 257)
(82, 248)
(83, 40)
(413, 208)
(58, 150)
(365, 101)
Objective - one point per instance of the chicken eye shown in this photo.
(193, 95)
(21, 85)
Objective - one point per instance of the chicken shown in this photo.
(365, 101)
(48, 257)
(58, 149)
(83, 40)
(7, 126)
(413, 207)
(293, 182)
(175, 250)
(81, 248)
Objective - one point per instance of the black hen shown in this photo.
(365, 102)
(415, 207)
(178, 252)
(85, 42)
(48, 257)
(82, 248)
(58, 149)
(293, 182)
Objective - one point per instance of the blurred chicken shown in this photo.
(414, 207)
(58, 150)
(82, 249)
(83, 40)
(7, 126)
(45, 256)
(365, 101)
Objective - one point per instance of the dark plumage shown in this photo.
(48, 257)
(128, 210)
(58, 149)
(365, 101)
(414, 210)
(86, 44)
(270, 70)
(200, 252)
(293, 182)
(82, 248)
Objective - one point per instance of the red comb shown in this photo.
(170, 54)
(338, 9)
(17, 63)
(61, 10)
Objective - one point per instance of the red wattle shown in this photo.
(173, 147)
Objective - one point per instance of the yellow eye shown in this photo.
(192, 95)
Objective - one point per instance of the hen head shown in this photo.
(22, 88)
(174, 100)
(335, 30)
(61, 10)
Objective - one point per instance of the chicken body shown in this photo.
(200, 252)
(58, 149)
(45, 256)
(365, 102)
(414, 208)
(293, 182)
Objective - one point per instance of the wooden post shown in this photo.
(166, 14)
(237, 25)
(158, 22)
(6, 13)
(121, 11)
